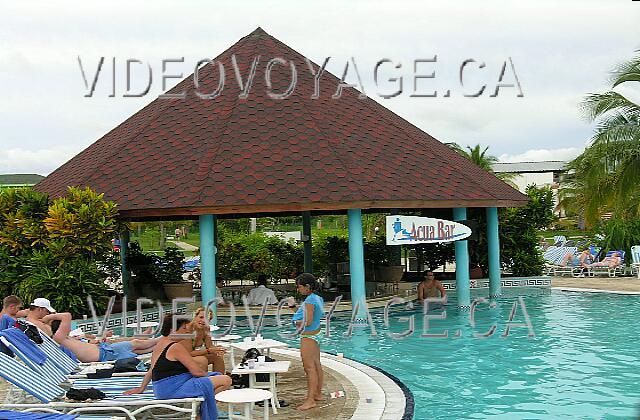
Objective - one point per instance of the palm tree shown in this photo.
(480, 157)
(609, 169)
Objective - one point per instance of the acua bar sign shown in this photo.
(423, 230)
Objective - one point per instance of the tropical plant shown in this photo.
(607, 173)
(56, 250)
(480, 157)
(82, 223)
(519, 232)
(619, 235)
(66, 285)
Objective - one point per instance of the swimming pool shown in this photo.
(584, 361)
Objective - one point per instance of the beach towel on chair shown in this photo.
(186, 385)
(24, 344)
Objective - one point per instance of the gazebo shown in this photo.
(246, 140)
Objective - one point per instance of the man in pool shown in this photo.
(100, 352)
(430, 287)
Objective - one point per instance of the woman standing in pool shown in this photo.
(309, 313)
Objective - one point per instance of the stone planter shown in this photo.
(178, 290)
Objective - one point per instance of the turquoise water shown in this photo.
(583, 363)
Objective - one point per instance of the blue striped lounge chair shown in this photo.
(70, 366)
(49, 393)
(554, 256)
(635, 260)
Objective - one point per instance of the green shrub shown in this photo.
(620, 235)
(169, 267)
(58, 251)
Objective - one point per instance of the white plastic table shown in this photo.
(264, 344)
(247, 397)
(272, 368)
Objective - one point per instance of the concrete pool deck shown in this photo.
(620, 285)
(359, 383)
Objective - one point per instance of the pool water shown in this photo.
(584, 361)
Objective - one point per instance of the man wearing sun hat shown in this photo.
(38, 309)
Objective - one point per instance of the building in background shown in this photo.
(541, 174)
(19, 180)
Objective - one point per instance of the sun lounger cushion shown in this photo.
(28, 347)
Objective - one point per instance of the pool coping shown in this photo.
(389, 398)
(580, 289)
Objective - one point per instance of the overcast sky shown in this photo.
(560, 50)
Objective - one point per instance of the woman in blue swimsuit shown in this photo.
(310, 313)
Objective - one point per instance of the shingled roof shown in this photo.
(227, 155)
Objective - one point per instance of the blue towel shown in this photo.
(186, 385)
(10, 415)
(6, 322)
(19, 339)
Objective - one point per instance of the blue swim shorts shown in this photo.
(116, 351)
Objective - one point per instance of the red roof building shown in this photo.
(274, 146)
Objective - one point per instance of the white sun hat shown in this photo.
(43, 303)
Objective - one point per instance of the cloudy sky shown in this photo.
(560, 50)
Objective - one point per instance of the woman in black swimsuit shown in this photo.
(176, 374)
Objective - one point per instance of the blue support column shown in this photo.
(462, 264)
(493, 242)
(126, 274)
(306, 231)
(207, 257)
(356, 260)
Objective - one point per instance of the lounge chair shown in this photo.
(559, 240)
(554, 256)
(48, 393)
(635, 260)
(66, 365)
(605, 269)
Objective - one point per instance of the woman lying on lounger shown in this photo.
(612, 262)
(176, 374)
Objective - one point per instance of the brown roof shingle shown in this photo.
(230, 155)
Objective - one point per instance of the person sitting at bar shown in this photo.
(257, 295)
(176, 374)
(430, 287)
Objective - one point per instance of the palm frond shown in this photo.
(628, 71)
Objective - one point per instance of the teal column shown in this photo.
(462, 264)
(306, 231)
(126, 274)
(356, 260)
(207, 257)
(396, 251)
(493, 244)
